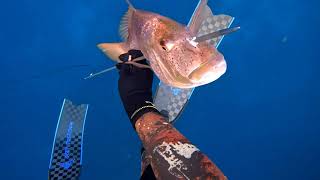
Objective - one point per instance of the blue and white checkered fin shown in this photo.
(66, 156)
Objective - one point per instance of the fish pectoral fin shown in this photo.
(113, 50)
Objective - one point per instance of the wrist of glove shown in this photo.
(135, 86)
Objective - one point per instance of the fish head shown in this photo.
(174, 55)
(209, 64)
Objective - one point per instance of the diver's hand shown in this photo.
(135, 86)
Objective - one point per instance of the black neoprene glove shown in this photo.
(135, 87)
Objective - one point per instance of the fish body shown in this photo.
(170, 47)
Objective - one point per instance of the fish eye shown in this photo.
(166, 45)
(163, 45)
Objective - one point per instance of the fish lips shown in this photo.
(209, 71)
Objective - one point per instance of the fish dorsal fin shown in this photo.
(124, 24)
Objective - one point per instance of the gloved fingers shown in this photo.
(129, 68)
(135, 53)
(139, 65)
(124, 67)
(141, 60)
(132, 61)
(124, 57)
(131, 55)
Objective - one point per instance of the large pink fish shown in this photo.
(170, 47)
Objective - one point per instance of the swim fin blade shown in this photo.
(66, 156)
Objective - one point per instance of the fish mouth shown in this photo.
(209, 71)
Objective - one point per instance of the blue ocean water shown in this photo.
(259, 121)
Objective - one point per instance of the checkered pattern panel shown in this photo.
(213, 24)
(63, 168)
(171, 101)
(65, 161)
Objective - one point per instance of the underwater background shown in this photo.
(260, 121)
